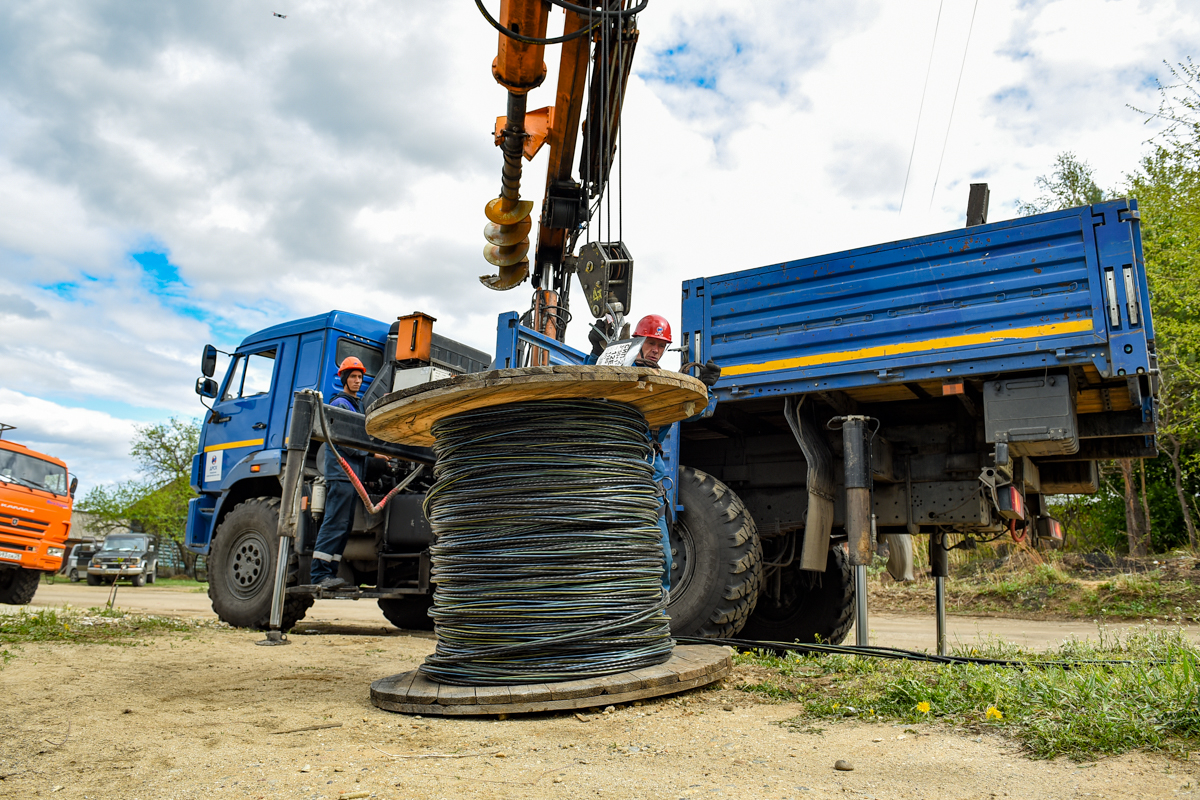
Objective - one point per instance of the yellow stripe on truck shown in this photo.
(902, 348)
(231, 445)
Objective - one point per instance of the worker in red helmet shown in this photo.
(340, 496)
(651, 336)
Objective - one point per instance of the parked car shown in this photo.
(75, 566)
(125, 555)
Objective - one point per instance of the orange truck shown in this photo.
(36, 495)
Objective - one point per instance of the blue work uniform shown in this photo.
(340, 499)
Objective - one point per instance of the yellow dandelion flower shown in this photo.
(923, 706)
(994, 713)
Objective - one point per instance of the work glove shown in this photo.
(710, 373)
(600, 340)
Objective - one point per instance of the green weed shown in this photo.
(1081, 708)
(96, 625)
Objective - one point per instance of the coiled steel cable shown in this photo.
(548, 560)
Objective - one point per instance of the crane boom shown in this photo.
(597, 48)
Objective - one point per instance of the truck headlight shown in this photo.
(95, 562)
(55, 551)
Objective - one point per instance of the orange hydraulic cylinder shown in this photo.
(519, 66)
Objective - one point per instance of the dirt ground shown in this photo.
(210, 714)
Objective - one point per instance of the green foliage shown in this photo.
(1141, 692)
(157, 502)
(72, 626)
(1071, 184)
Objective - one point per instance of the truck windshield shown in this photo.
(125, 543)
(33, 472)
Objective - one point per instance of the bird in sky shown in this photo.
(281, 16)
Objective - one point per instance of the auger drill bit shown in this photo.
(518, 68)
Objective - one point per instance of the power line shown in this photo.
(921, 108)
(953, 103)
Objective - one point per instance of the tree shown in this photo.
(156, 502)
(1071, 184)
(1167, 186)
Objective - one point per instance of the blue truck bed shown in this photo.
(1057, 289)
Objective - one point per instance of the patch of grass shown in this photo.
(73, 626)
(1081, 710)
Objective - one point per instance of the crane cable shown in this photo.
(548, 559)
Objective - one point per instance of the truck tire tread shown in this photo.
(17, 586)
(252, 612)
(720, 595)
(817, 605)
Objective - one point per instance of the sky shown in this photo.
(175, 174)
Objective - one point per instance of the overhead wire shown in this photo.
(921, 108)
(548, 559)
(953, 103)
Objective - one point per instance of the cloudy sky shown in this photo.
(176, 173)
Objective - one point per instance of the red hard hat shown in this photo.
(351, 363)
(652, 326)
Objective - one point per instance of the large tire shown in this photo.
(74, 576)
(815, 606)
(410, 613)
(94, 580)
(241, 568)
(138, 580)
(17, 586)
(716, 559)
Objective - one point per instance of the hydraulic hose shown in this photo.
(373, 508)
(897, 653)
(548, 560)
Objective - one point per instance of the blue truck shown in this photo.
(942, 387)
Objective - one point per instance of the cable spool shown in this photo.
(548, 560)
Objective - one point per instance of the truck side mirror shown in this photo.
(206, 387)
(208, 363)
(74, 486)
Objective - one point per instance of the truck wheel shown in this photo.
(152, 574)
(93, 580)
(18, 585)
(138, 580)
(716, 559)
(241, 568)
(410, 613)
(814, 605)
(74, 576)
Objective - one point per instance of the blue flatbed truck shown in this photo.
(941, 387)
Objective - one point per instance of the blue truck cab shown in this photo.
(243, 452)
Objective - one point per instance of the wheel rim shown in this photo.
(249, 558)
(683, 566)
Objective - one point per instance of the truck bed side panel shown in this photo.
(1019, 294)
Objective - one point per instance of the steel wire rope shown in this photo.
(548, 559)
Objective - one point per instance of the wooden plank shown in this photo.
(491, 694)
(450, 695)
(422, 690)
(407, 416)
(529, 693)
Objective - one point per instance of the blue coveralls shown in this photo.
(340, 499)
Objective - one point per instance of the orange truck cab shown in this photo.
(36, 494)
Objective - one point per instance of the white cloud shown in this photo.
(93, 444)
